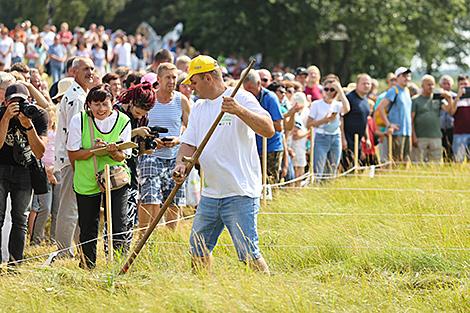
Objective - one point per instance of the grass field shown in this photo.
(347, 246)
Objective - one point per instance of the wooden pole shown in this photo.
(390, 152)
(189, 165)
(264, 159)
(312, 173)
(109, 221)
(356, 153)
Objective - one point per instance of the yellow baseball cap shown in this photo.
(200, 64)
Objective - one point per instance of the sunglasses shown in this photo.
(329, 89)
(264, 80)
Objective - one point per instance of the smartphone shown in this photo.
(166, 139)
(466, 95)
(437, 96)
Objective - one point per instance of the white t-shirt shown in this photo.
(74, 139)
(5, 45)
(320, 109)
(123, 52)
(48, 38)
(18, 50)
(230, 160)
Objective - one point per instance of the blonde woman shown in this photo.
(325, 117)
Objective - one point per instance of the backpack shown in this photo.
(377, 118)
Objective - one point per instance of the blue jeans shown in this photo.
(16, 181)
(56, 72)
(326, 153)
(460, 147)
(238, 214)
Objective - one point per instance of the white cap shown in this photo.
(401, 70)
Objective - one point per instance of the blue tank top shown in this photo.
(167, 115)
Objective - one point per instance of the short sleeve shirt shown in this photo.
(230, 160)
(270, 103)
(400, 111)
(319, 109)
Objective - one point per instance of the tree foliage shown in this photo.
(342, 36)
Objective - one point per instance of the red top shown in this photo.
(462, 117)
(314, 92)
(371, 128)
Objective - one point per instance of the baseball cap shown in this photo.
(200, 64)
(149, 78)
(16, 91)
(300, 71)
(402, 70)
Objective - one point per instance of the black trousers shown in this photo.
(89, 219)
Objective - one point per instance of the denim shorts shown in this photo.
(155, 180)
(238, 214)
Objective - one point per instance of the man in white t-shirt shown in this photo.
(232, 171)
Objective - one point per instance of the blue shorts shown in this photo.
(239, 214)
(155, 180)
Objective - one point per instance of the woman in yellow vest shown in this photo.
(98, 126)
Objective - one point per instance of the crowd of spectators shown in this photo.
(59, 87)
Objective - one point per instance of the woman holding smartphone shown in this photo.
(325, 118)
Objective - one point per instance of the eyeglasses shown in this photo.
(329, 89)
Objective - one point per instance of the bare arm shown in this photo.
(37, 95)
(447, 106)
(278, 125)
(316, 123)
(179, 173)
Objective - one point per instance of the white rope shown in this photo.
(321, 247)
(364, 214)
(326, 188)
(57, 252)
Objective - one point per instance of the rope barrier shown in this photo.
(326, 188)
(57, 252)
(364, 214)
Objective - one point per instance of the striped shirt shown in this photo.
(168, 115)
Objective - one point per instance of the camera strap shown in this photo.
(92, 136)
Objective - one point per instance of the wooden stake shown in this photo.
(109, 222)
(390, 152)
(356, 153)
(312, 173)
(264, 156)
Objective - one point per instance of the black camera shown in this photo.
(149, 142)
(437, 96)
(28, 109)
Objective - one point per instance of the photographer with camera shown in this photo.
(135, 103)
(171, 111)
(426, 126)
(23, 133)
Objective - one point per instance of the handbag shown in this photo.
(39, 180)
(118, 175)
